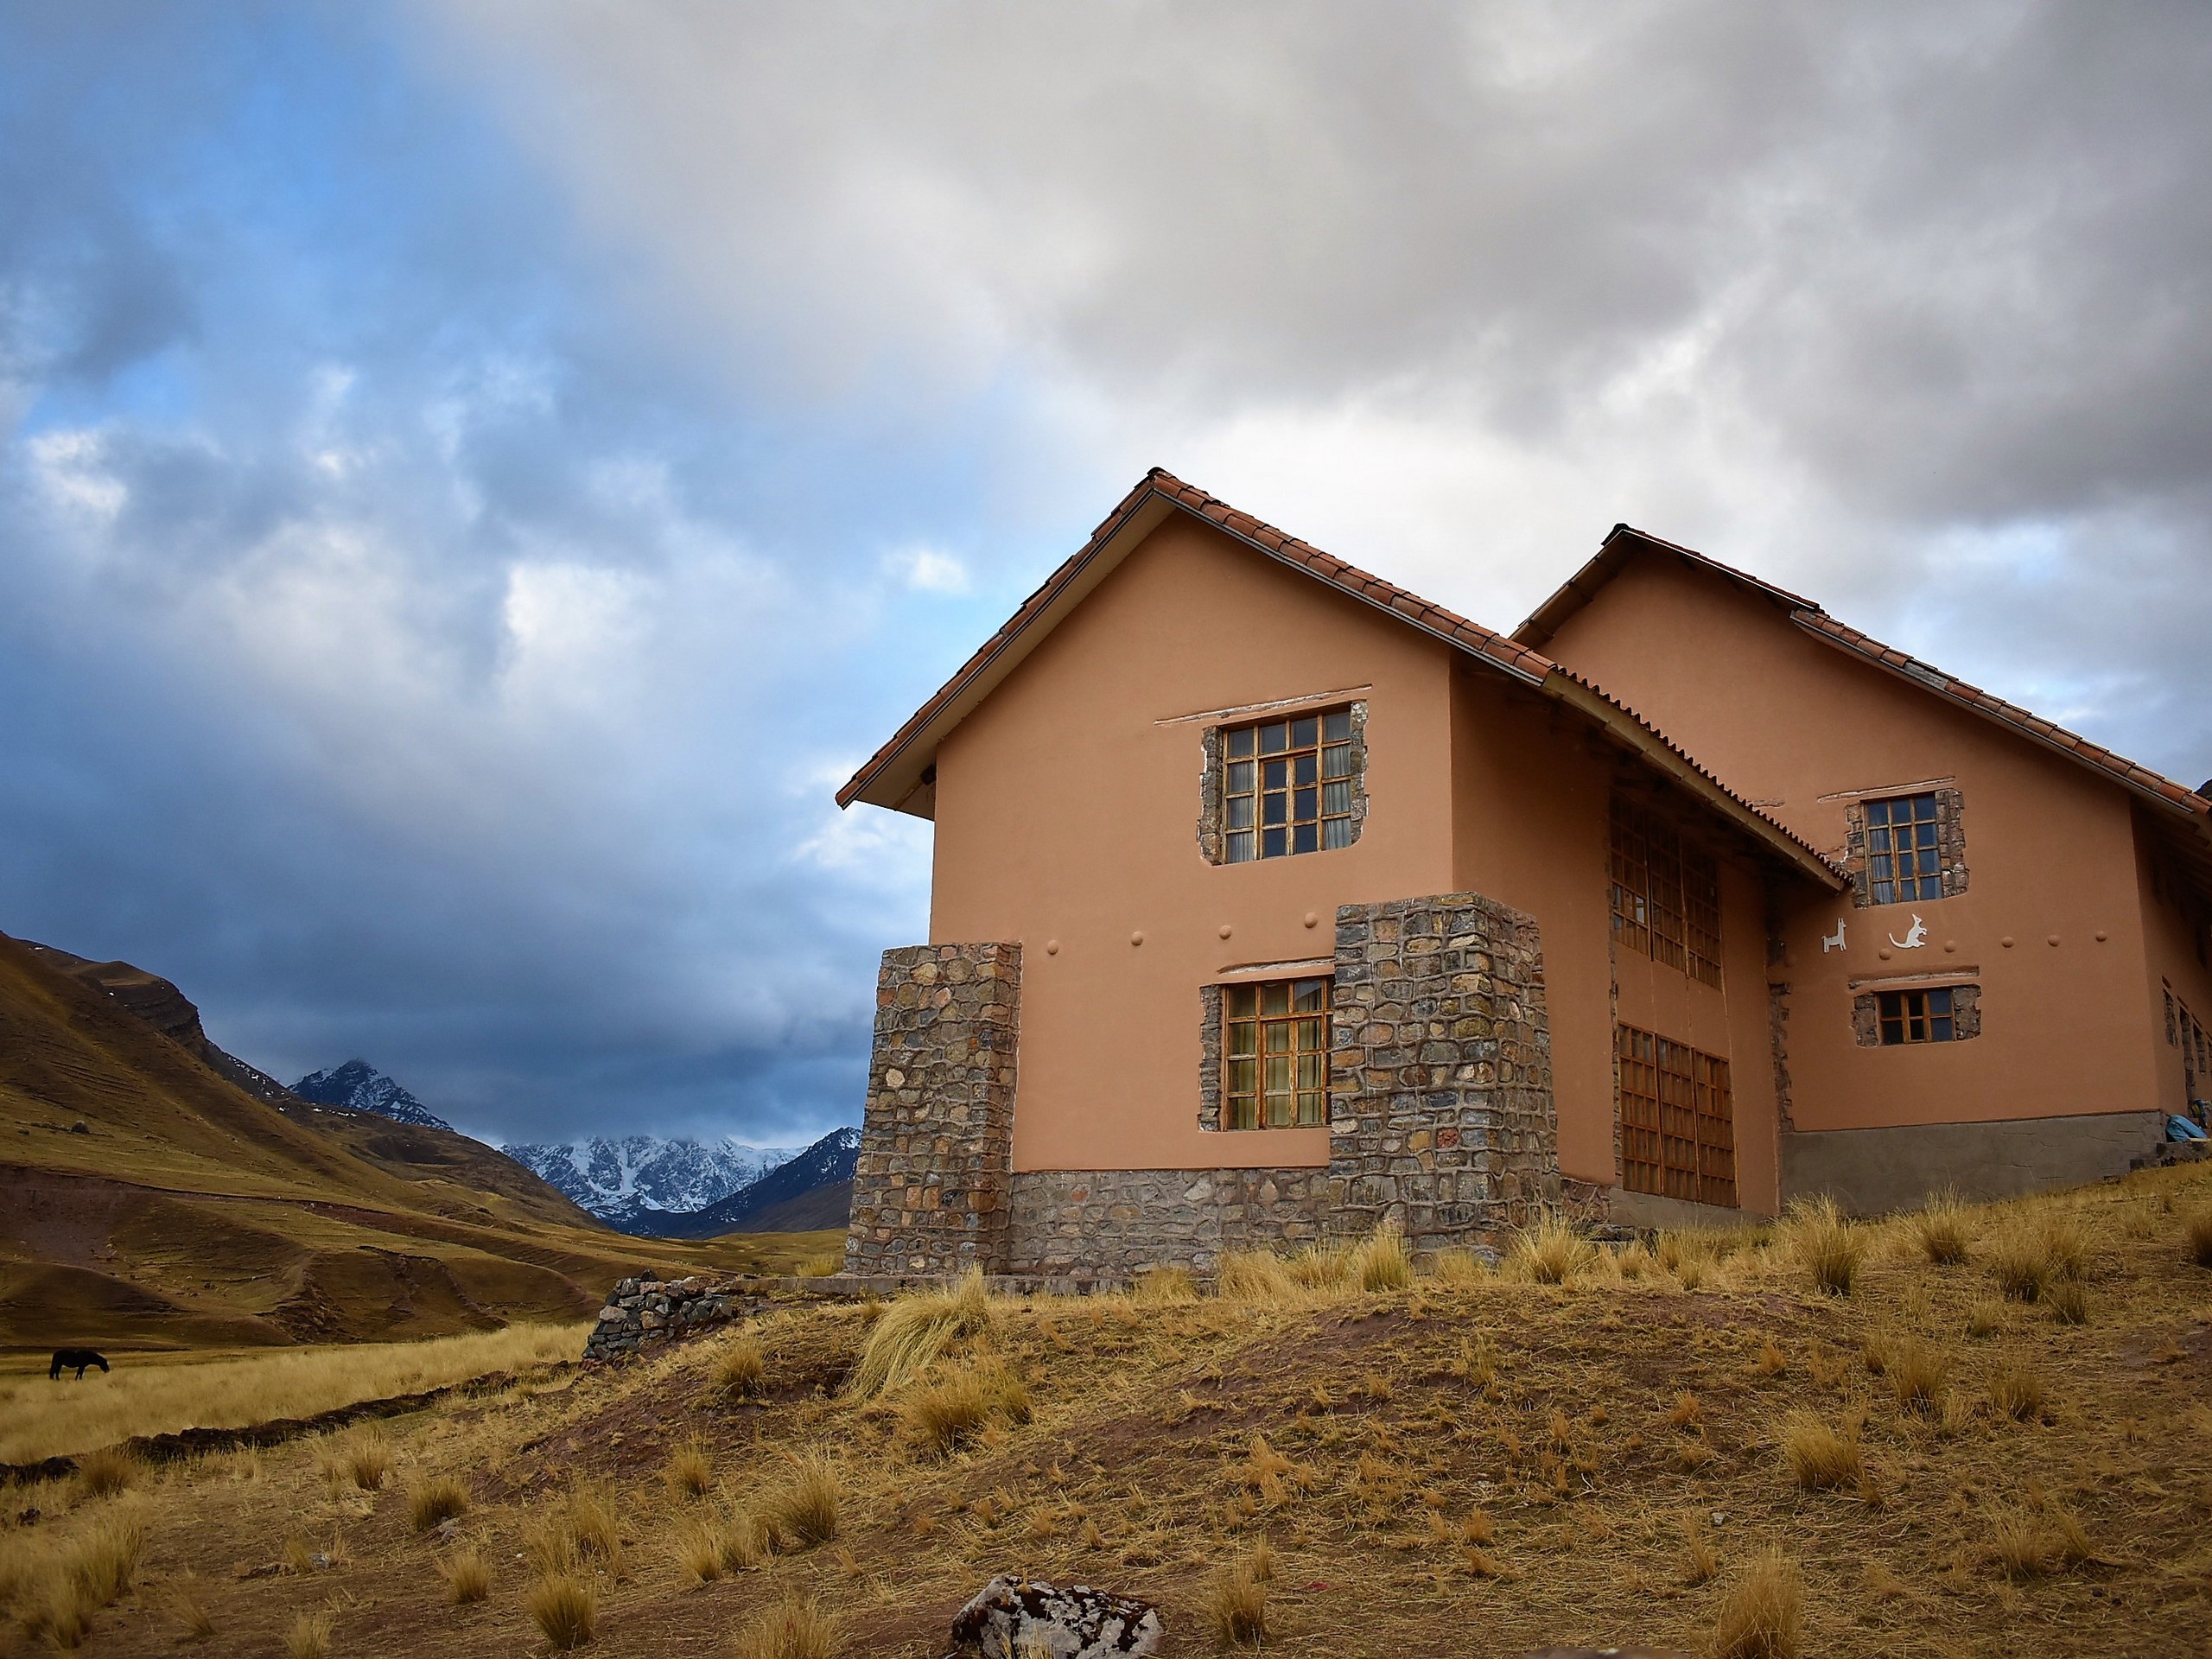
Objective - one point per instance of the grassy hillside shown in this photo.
(147, 1201)
(1653, 1451)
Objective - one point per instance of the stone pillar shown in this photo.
(1441, 1116)
(932, 1184)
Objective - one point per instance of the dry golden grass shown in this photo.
(796, 1628)
(366, 1458)
(57, 1585)
(308, 1637)
(1761, 1615)
(1824, 1244)
(565, 1608)
(187, 1612)
(1460, 1267)
(435, 1500)
(1919, 1372)
(467, 1575)
(2196, 1238)
(821, 1265)
(1819, 1456)
(2038, 1250)
(1236, 1605)
(2069, 1301)
(1255, 1276)
(578, 1529)
(1985, 1319)
(2017, 1390)
(107, 1471)
(698, 1551)
(1699, 1561)
(1380, 1261)
(690, 1472)
(1323, 1267)
(1168, 1284)
(1942, 1230)
(1551, 1252)
(739, 1367)
(805, 1511)
(942, 1416)
(232, 1392)
(916, 1330)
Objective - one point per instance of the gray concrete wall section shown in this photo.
(1442, 1116)
(1654, 1212)
(933, 1178)
(1870, 1170)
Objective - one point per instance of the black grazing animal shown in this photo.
(83, 1358)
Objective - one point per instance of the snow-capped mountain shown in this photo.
(359, 1087)
(626, 1182)
(811, 1189)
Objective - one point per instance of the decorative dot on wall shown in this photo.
(1883, 953)
(1311, 918)
(1051, 947)
(1136, 937)
(1950, 944)
(1226, 930)
(2053, 939)
(2006, 941)
(2102, 936)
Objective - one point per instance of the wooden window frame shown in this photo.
(1909, 1018)
(1665, 894)
(1266, 1022)
(1677, 1117)
(1310, 777)
(1925, 850)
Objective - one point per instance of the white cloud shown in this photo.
(929, 571)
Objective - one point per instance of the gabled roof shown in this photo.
(901, 775)
(1625, 542)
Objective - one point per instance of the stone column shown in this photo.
(1441, 1116)
(932, 1186)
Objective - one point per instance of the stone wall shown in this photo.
(644, 1313)
(1113, 1223)
(931, 1182)
(1442, 1121)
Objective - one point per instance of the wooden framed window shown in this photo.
(1276, 1055)
(1904, 859)
(1916, 1017)
(1288, 786)
(1678, 1120)
(1666, 897)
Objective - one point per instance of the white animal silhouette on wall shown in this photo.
(1915, 936)
(1832, 941)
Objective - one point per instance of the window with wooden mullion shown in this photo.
(1277, 1044)
(1905, 864)
(1677, 1118)
(1666, 898)
(1287, 787)
(1915, 1017)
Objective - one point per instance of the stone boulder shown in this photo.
(1025, 1618)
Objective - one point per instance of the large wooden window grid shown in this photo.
(1915, 1017)
(1277, 1075)
(1678, 1121)
(1287, 786)
(1903, 863)
(1666, 897)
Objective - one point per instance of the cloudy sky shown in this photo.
(476, 476)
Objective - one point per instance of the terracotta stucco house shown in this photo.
(1272, 901)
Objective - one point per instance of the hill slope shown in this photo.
(148, 1200)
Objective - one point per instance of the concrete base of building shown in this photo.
(1649, 1213)
(1870, 1170)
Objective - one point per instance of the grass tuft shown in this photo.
(435, 1501)
(1170, 1283)
(1762, 1617)
(1820, 1458)
(915, 1332)
(1255, 1276)
(1237, 1605)
(689, 1475)
(2017, 1390)
(106, 1472)
(467, 1575)
(739, 1369)
(1826, 1244)
(1380, 1261)
(1942, 1230)
(565, 1608)
(794, 1628)
(1551, 1252)
(2196, 1238)
(308, 1637)
(1918, 1371)
(365, 1459)
(2067, 1302)
(942, 1416)
(802, 1512)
